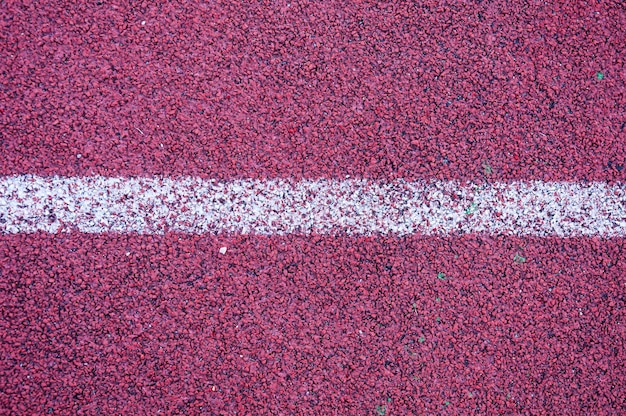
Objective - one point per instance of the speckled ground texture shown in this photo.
(473, 324)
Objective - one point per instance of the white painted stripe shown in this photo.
(355, 207)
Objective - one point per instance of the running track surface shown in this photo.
(323, 323)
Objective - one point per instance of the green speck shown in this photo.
(441, 276)
(381, 410)
(470, 394)
(421, 340)
(519, 259)
(488, 169)
(471, 209)
(414, 307)
(600, 76)
(438, 299)
(446, 403)
(388, 399)
(438, 319)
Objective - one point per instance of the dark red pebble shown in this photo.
(404, 89)
(311, 325)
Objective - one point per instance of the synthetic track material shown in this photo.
(485, 92)
(293, 90)
(312, 325)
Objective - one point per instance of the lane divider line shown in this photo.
(97, 204)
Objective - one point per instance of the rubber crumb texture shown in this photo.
(522, 90)
(168, 324)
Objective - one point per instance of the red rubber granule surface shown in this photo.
(304, 89)
(312, 325)
(483, 91)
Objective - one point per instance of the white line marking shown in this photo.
(355, 207)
